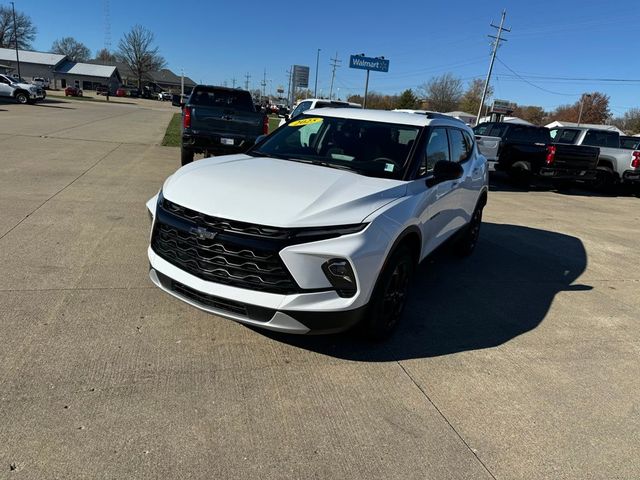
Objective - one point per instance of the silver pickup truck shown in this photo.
(615, 164)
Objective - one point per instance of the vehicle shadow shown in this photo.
(502, 291)
(499, 182)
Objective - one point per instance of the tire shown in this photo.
(22, 98)
(520, 174)
(605, 179)
(389, 295)
(466, 243)
(186, 156)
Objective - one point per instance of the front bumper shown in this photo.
(288, 321)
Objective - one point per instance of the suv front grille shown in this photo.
(221, 256)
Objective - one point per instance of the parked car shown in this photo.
(121, 92)
(219, 120)
(102, 90)
(630, 143)
(320, 225)
(311, 103)
(134, 92)
(615, 164)
(41, 82)
(165, 96)
(21, 92)
(72, 92)
(524, 151)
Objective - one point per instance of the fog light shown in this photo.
(340, 274)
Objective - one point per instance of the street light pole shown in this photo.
(15, 36)
(315, 88)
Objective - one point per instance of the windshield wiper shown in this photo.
(257, 153)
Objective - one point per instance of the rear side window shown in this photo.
(601, 138)
(437, 149)
(459, 148)
(629, 143)
(213, 97)
(566, 136)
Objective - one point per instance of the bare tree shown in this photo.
(105, 56)
(470, 101)
(69, 46)
(136, 50)
(25, 28)
(442, 93)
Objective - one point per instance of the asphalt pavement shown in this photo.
(520, 362)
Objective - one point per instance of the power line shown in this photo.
(533, 84)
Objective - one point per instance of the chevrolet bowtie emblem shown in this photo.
(203, 233)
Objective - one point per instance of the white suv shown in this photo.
(320, 225)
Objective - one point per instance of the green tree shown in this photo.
(137, 51)
(470, 101)
(407, 99)
(74, 50)
(530, 113)
(23, 26)
(443, 93)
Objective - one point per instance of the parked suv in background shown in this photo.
(21, 92)
(41, 82)
(320, 225)
(311, 103)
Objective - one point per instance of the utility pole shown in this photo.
(586, 95)
(289, 74)
(246, 81)
(496, 44)
(315, 88)
(335, 64)
(15, 37)
(182, 85)
(233, 82)
(264, 84)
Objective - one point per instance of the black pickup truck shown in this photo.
(523, 151)
(219, 121)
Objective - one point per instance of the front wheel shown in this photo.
(22, 98)
(466, 244)
(390, 295)
(186, 156)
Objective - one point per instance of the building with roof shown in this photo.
(87, 76)
(32, 64)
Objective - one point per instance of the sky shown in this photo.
(555, 51)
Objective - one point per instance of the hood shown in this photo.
(278, 193)
(26, 86)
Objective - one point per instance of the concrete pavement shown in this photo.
(521, 362)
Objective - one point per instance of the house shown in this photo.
(161, 81)
(467, 118)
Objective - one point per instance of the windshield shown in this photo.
(365, 147)
(223, 98)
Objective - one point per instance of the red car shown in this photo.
(121, 92)
(72, 91)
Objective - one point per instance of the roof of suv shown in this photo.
(401, 118)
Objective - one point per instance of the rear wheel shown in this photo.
(520, 174)
(605, 178)
(22, 98)
(389, 296)
(186, 156)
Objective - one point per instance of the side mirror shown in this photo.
(444, 171)
(259, 139)
(287, 117)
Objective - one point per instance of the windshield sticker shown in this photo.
(305, 121)
(388, 167)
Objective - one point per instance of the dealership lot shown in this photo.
(521, 361)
